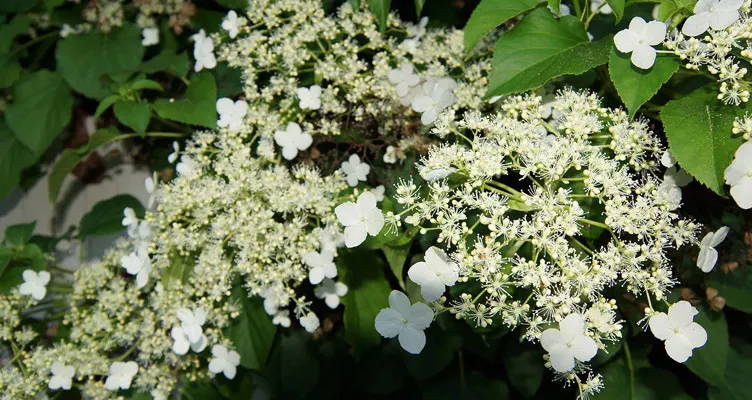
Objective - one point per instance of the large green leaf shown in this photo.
(636, 86)
(698, 128)
(5, 255)
(491, 13)
(252, 332)
(380, 9)
(735, 287)
(618, 8)
(541, 48)
(8, 31)
(419, 6)
(133, 114)
(473, 386)
(440, 350)
(106, 217)
(84, 60)
(523, 366)
(709, 361)
(619, 383)
(198, 106)
(363, 273)
(17, 6)
(19, 234)
(42, 106)
(14, 157)
(736, 386)
(396, 257)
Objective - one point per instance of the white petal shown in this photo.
(332, 301)
(316, 275)
(347, 213)
(399, 302)
(696, 25)
(695, 334)
(573, 325)
(584, 348)
(420, 316)
(374, 221)
(637, 25)
(643, 56)
(561, 358)
(625, 41)
(721, 19)
(367, 201)
(550, 338)
(742, 194)
(660, 326)
(432, 289)
(180, 346)
(678, 348)
(355, 235)
(655, 32)
(388, 323)
(420, 273)
(412, 340)
(719, 236)
(707, 259)
(199, 345)
(681, 313)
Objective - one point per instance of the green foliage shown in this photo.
(474, 386)
(736, 385)
(523, 366)
(419, 6)
(618, 8)
(41, 108)
(234, 4)
(14, 158)
(380, 9)
(709, 361)
(167, 61)
(735, 287)
(252, 332)
(105, 218)
(540, 48)
(396, 257)
(698, 128)
(89, 60)
(20, 234)
(625, 381)
(197, 108)
(133, 114)
(178, 272)
(491, 13)
(636, 86)
(292, 367)
(16, 6)
(441, 347)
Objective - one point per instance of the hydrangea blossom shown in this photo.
(121, 375)
(232, 23)
(172, 157)
(330, 291)
(708, 254)
(231, 113)
(680, 333)
(355, 170)
(282, 318)
(34, 284)
(739, 176)
(181, 342)
(224, 361)
(186, 167)
(203, 51)
(62, 376)
(310, 98)
(568, 343)
(437, 94)
(292, 140)
(322, 265)
(150, 36)
(137, 263)
(310, 322)
(638, 39)
(360, 219)
(191, 322)
(378, 193)
(716, 14)
(406, 321)
(433, 274)
(404, 78)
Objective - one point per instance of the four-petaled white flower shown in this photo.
(330, 291)
(360, 219)
(310, 98)
(716, 14)
(680, 333)
(231, 23)
(224, 361)
(191, 322)
(62, 376)
(355, 170)
(739, 176)
(638, 39)
(378, 192)
(292, 140)
(172, 157)
(231, 113)
(282, 318)
(438, 94)
(568, 343)
(708, 254)
(310, 322)
(121, 374)
(433, 274)
(203, 51)
(404, 78)
(181, 342)
(322, 265)
(129, 218)
(406, 321)
(34, 284)
(149, 36)
(137, 263)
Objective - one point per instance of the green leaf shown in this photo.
(735, 287)
(555, 5)
(475, 386)
(179, 270)
(523, 366)
(8, 31)
(30, 257)
(636, 86)
(5, 256)
(709, 361)
(669, 8)
(37, 119)
(419, 6)
(198, 106)
(292, 366)
(85, 60)
(167, 61)
(396, 257)
(234, 4)
(491, 13)
(380, 9)
(20, 234)
(698, 128)
(363, 273)
(252, 332)
(106, 217)
(649, 384)
(14, 158)
(142, 84)
(618, 8)
(134, 115)
(736, 386)
(541, 48)
(10, 71)
(440, 349)
(17, 6)
(105, 104)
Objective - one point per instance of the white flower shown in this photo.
(680, 334)
(360, 218)
(568, 343)
(330, 291)
(66, 30)
(708, 254)
(181, 342)
(437, 95)
(292, 140)
(403, 78)
(203, 51)
(322, 265)
(282, 318)
(378, 192)
(137, 263)
(600, 6)
(191, 322)
(150, 36)
(175, 153)
(34, 284)
(231, 113)
(390, 155)
(310, 322)
(405, 321)
(716, 14)
(186, 167)
(355, 170)
(224, 361)
(739, 176)
(310, 98)
(667, 160)
(433, 274)
(638, 39)
(121, 374)
(231, 23)
(130, 220)
(150, 183)
(62, 376)
(436, 174)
